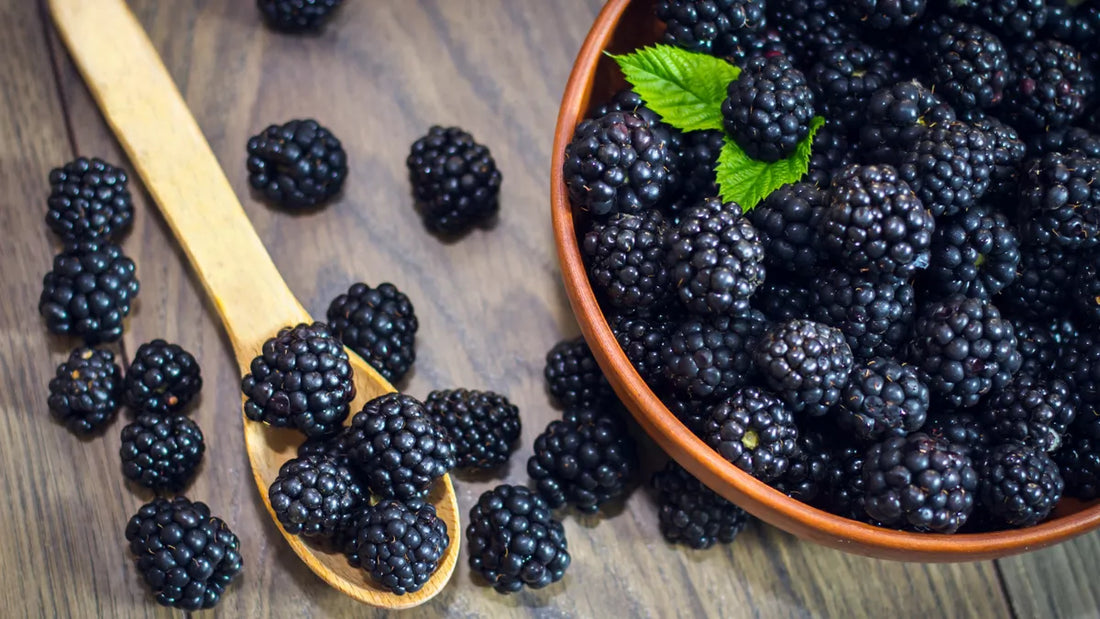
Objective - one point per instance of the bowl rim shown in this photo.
(690, 451)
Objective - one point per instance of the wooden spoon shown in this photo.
(165, 145)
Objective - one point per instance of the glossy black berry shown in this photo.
(455, 180)
(1042, 287)
(949, 167)
(974, 253)
(398, 545)
(1086, 288)
(314, 496)
(875, 315)
(1079, 457)
(483, 426)
(379, 324)
(717, 27)
(755, 431)
(89, 292)
(573, 377)
(963, 430)
(1019, 485)
(883, 398)
(768, 108)
(89, 200)
(967, 64)
(787, 224)
(162, 378)
(886, 14)
(707, 359)
(1014, 19)
(296, 165)
(843, 78)
(1048, 88)
(627, 261)
(691, 514)
(161, 452)
(1030, 411)
(1060, 199)
(1080, 364)
(806, 363)
(897, 117)
(643, 340)
(86, 391)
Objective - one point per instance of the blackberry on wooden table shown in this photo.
(455, 180)
(296, 16)
(314, 496)
(89, 200)
(691, 514)
(297, 165)
(161, 452)
(162, 378)
(86, 391)
(379, 324)
(399, 546)
(89, 292)
(482, 425)
(573, 376)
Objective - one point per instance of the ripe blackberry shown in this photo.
(963, 349)
(455, 180)
(379, 324)
(161, 452)
(1060, 196)
(897, 117)
(1038, 349)
(86, 391)
(617, 163)
(809, 469)
(875, 315)
(1013, 19)
(399, 546)
(716, 27)
(844, 488)
(89, 201)
(831, 153)
(1081, 366)
(768, 109)
(585, 459)
(1074, 141)
(482, 425)
(876, 224)
(642, 340)
(1086, 288)
(753, 430)
(807, 26)
(692, 413)
(974, 253)
(886, 14)
(335, 447)
(1031, 412)
(1047, 88)
(883, 398)
(296, 165)
(964, 431)
(1072, 22)
(626, 259)
(573, 377)
(691, 514)
(707, 359)
(786, 222)
(717, 258)
(967, 63)
(698, 159)
(949, 167)
(162, 379)
(314, 496)
(186, 556)
(88, 292)
(296, 15)
(919, 483)
(398, 448)
(514, 540)
(1019, 485)
(1043, 282)
(1079, 457)
(806, 363)
(783, 298)
(302, 379)
(1008, 151)
(843, 78)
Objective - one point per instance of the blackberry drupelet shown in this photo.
(186, 556)
(783, 298)
(753, 430)
(808, 470)
(716, 27)
(897, 117)
(573, 377)
(455, 180)
(1030, 411)
(691, 514)
(162, 379)
(399, 546)
(642, 340)
(584, 459)
(967, 64)
(89, 201)
(296, 15)
(1081, 366)
(302, 379)
(617, 163)
(886, 14)
(844, 489)
(483, 426)
(89, 291)
(514, 540)
(397, 447)
(1060, 198)
(963, 349)
(1043, 282)
(875, 315)
(86, 391)
(626, 259)
(314, 496)
(831, 153)
(964, 431)
(806, 363)
(1079, 457)
(974, 253)
(884, 398)
(876, 224)
(768, 108)
(1014, 19)
(717, 258)
(296, 165)
(706, 359)
(1019, 485)
(1048, 87)
(1086, 288)
(1074, 141)
(161, 451)
(379, 324)
(843, 77)
(949, 167)
(1038, 349)
(787, 223)
(919, 483)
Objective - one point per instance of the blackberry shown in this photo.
(1019, 485)
(186, 556)
(296, 165)
(162, 379)
(302, 379)
(768, 109)
(717, 258)
(949, 167)
(809, 469)
(883, 398)
(573, 377)
(698, 159)
(1043, 282)
(716, 27)
(920, 483)
(1031, 412)
(1038, 349)
(89, 291)
(482, 425)
(89, 201)
(974, 253)
(843, 78)
(753, 430)
(691, 514)
(875, 315)
(296, 15)
(1014, 19)
(85, 392)
(1086, 288)
(844, 488)
(967, 63)
(897, 117)
(963, 349)
(783, 299)
(455, 180)
(1081, 367)
(886, 14)
(809, 25)
(1066, 140)
(875, 223)
(584, 459)
(1079, 457)
(806, 363)
(706, 359)
(399, 449)
(831, 153)
(400, 547)
(642, 340)
(628, 100)
(786, 222)
(626, 259)
(964, 431)
(514, 540)
(335, 447)
(1008, 152)
(617, 163)
(314, 496)
(1060, 195)
(161, 452)
(379, 324)
(1047, 88)
(1072, 22)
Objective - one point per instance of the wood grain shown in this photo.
(490, 306)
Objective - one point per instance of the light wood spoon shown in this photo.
(165, 145)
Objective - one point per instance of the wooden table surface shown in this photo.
(489, 307)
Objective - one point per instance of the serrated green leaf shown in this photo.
(685, 89)
(747, 181)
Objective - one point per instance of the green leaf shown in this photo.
(747, 181)
(685, 88)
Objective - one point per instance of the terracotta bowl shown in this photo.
(622, 26)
